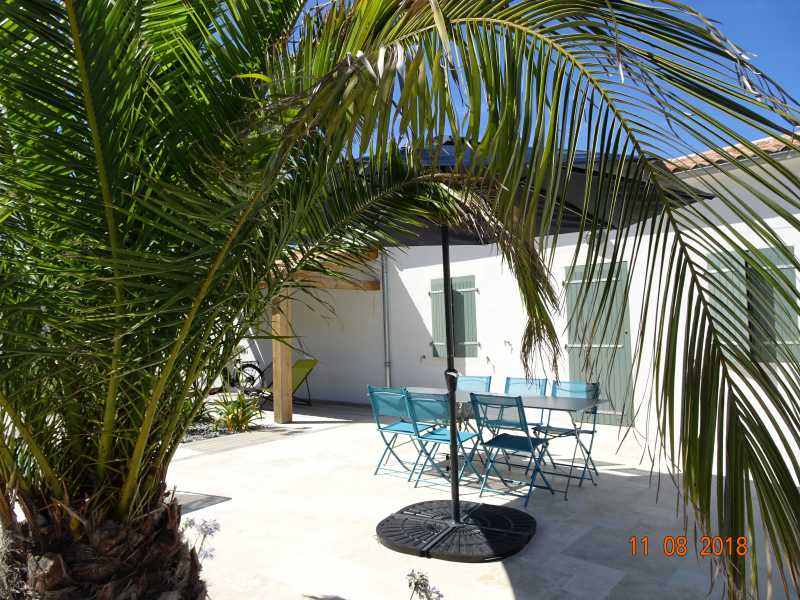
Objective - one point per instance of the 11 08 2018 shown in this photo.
(678, 545)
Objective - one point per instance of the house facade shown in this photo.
(395, 334)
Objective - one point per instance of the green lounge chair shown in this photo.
(301, 369)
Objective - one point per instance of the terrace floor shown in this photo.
(298, 504)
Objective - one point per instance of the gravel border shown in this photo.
(207, 431)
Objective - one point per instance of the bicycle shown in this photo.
(252, 378)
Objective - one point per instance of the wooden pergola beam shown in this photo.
(282, 391)
(318, 280)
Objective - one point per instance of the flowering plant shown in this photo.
(419, 584)
(203, 530)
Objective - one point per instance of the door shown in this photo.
(594, 350)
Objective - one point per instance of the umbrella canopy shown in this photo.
(428, 233)
(575, 203)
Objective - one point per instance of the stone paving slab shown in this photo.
(300, 523)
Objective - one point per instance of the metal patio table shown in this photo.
(551, 403)
(557, 403)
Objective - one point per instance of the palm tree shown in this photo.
(160, 159)
(148, 193)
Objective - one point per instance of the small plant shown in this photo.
(203, 530)
(421, 587)
(237, 413)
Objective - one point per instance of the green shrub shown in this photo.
(237, 413)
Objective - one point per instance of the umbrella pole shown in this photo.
(425, 528)
(450, 375)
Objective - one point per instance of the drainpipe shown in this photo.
(387, 359)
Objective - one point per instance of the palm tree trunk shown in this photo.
(69, 559)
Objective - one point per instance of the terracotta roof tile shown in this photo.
(769, 145)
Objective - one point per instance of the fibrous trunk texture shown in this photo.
(66, 558)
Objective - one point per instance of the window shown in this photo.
(758, 314)
(465, 331)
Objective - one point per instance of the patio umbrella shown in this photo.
(438, 529)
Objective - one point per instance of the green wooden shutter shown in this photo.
(756, 315)
(728, 302)
(465, 328)
(773, 320)
(464, 317)
(437, 314)
(786, 324)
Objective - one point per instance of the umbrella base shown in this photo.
(486, 533)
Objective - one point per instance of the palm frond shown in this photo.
(528, 93)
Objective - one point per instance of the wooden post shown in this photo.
(282, 363)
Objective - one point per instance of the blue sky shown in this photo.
(767, 28)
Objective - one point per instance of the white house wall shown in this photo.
(347, 343)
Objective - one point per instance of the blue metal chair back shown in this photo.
(520, 386)
(499, 412)
(428, 409)
(474, 383)
(577, 389)
(388, 403)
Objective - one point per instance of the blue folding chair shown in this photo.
(471, 383)
(520, 386)
(390, 410)
(432, 409)
(474, 383)
(497, 416)
(580, 420)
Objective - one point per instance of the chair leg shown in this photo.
(508, 460)
(383, 456)
(537, 470)
(468, 460)
(489, 466)
(528, 466)
(416, 462)
(494, 468)
(572, 463)
(589, 454)
(390, 449)
(539, 465)
(530, 487)
(424, 463)
(587, 469)
(550, 456)
(428, 458)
